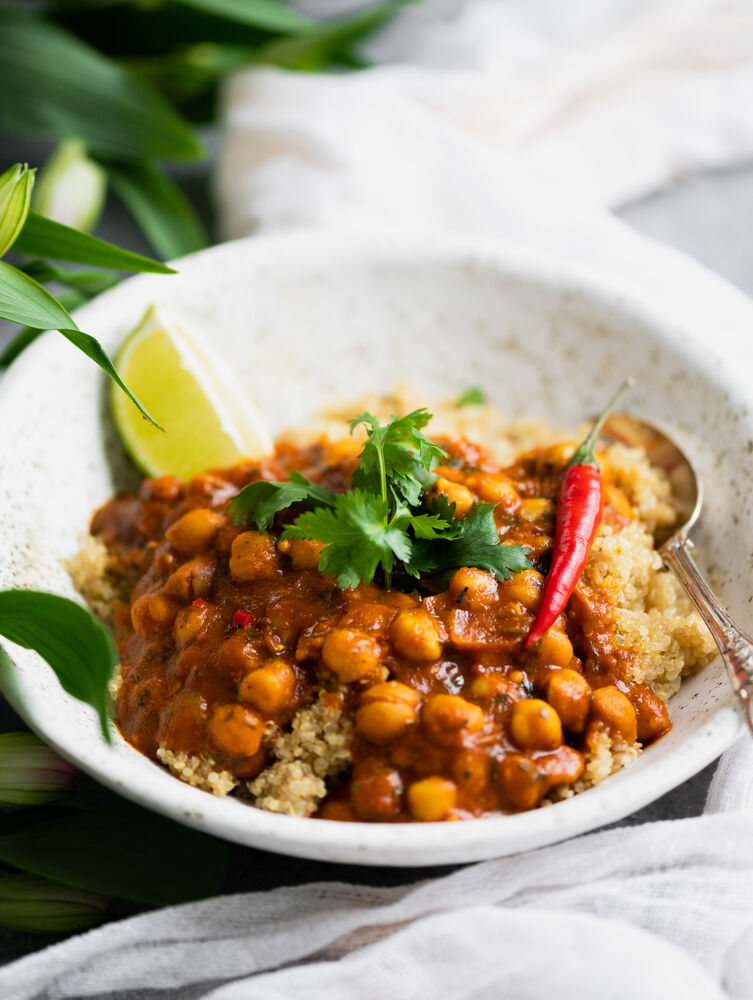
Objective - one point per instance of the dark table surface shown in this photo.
(708, 216)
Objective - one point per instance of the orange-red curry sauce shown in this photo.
(453, 718)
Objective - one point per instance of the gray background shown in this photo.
(706, 215)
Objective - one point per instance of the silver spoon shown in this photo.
(735, 646)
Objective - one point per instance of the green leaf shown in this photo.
(27, 335)
(122, 851)
(56, 86)
(36, 905)
(475, 396)
(475, 542)
(258, 502)
(268, 14)
(163, 212)
(15, 197)
(356, 536)
(397, 455)
(328, 41)
(92, 348)
(42, 237)
(74, 644)
(23, 300)
(87, 283)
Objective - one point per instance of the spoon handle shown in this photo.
(734, 645)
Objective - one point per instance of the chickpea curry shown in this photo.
(231, 631)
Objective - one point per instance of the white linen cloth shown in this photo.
(519, 119)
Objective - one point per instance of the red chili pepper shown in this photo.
(243, 618)
(579, 508)
(199, 603)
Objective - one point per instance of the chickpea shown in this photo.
(152, 612)
(304, 552)
(478, 588)
(534, 725)
(165, 488)
(351, 654)
(524, 587)
(610, 706)
(195, 531)
(554, 648)
(392, 691)
(192, 621)
(461, 496)
(520, 782)
(492, 687)
(193, 579)
(269, 689)
(653, 717)
(182, 721)
(569, 694)
(253, 557)
(447, 472)
(415, 635)
(622, 510)
(556, 456)
(494, 488)
(376, 793)
(430, 799)
(384, 721)
(237, 655)
(524, 782)
(471, 771)
(447, 718)
(236, 729)
(338, 812)
(368, 616)
(536, 509)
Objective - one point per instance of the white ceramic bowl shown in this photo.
(310, 319)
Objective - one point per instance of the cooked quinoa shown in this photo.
(316, 748)
(652, 615)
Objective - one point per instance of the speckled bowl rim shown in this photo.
(413, 844)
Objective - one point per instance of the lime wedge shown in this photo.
(209, 422)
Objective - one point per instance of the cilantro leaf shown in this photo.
(397, 457)
(356, 535)
(472, 541)
(385, 519)
(475, 396)
(258, 502)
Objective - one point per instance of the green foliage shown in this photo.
(399, 453)
(258, 503)
(54, 85)
(24, 300)
(383, 522)
(15, 197)
(268, 14)
(120, 851)
(42, 237)
(165, 215)
(475, 396)
(74, 644)
(38, 906)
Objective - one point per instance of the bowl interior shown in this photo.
(305, 325)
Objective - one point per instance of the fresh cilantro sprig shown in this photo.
(258, 502)
(397, 457)
(386, 520)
